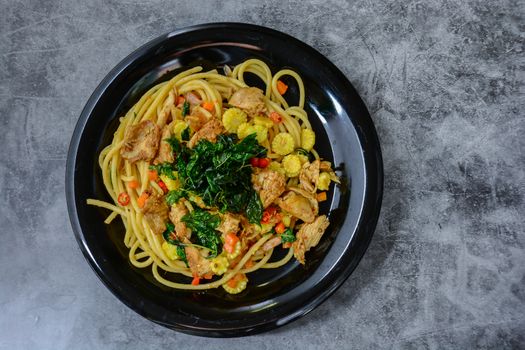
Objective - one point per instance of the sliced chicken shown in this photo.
(248, 233)
(141, 141)
(229, 223)
(209, 132)
(193, 99)
(197, 119)
(155, 212)
(309, 236)
(308, 195)
(309, 175)
(327, 166)
(249, 99)
(165, 152)
(270, 184)
(199, 265)
(300, 204)
(176, 213)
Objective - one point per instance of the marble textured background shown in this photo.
(444, 82)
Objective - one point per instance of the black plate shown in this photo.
(346, 136)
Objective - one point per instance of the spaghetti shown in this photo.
(209, 176)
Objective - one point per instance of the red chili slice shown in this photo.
(123, 199)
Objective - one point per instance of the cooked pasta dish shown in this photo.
(210, 176)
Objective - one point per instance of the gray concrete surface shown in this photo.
(444, 81)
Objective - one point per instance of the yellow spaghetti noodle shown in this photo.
(188, 103)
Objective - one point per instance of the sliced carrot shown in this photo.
(231, 239)
(152, 175)
(133, 184)
(249, 264)
(180, 100)
(196, 281)
(232, 283)
(142, 199)
(208, 106)
(287, 245)
(281, 87)
(275, 117)
(321, 196)
(279, 228)
(236, 279)
(208, 276)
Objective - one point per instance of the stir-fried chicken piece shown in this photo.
(309, 236)
(327, 166)
(193, 99)
(249, 99)
(270, 184)
(197, 119)
(141, 141)
(156, 213)
(308, 195)
(209, 131)
(199, 265)
(165, 152)
(176, 213)
(309, 175)
(299, 203)
(248, 233)
(229, 223)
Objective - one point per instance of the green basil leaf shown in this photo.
(185, 108)
(185, 134)
(288, 236)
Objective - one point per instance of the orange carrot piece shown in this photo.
(236, 279)
(279, 228)
(152, 175)
(321, 196)
(196, 281)
(232, 283)
(231, 239)
(208, 106)
(281, 87)
(133, 184)
(142, 199)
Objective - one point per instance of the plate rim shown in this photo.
(268, 324)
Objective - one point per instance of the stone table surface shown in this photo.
(444, 82)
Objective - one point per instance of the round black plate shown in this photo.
(346, 136)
